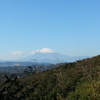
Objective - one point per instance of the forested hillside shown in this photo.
(79, 80)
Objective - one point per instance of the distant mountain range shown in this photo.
(41, 59)
(51, 58)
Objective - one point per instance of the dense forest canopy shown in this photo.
(79, 80)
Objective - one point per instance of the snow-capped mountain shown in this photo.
(50, 58)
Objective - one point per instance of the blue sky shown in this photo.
(70, 27)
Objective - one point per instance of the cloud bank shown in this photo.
(17, 52)
(44, 50)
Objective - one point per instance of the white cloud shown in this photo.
(17, 52)
(44, 50)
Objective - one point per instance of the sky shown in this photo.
(70, 27)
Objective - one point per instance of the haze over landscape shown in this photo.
(69, 27)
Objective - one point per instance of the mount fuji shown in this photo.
(50, 58)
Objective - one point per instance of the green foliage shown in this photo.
(12, 89)
(73, 81)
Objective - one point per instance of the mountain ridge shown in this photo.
(51, 58)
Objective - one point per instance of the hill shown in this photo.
(79, 80)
